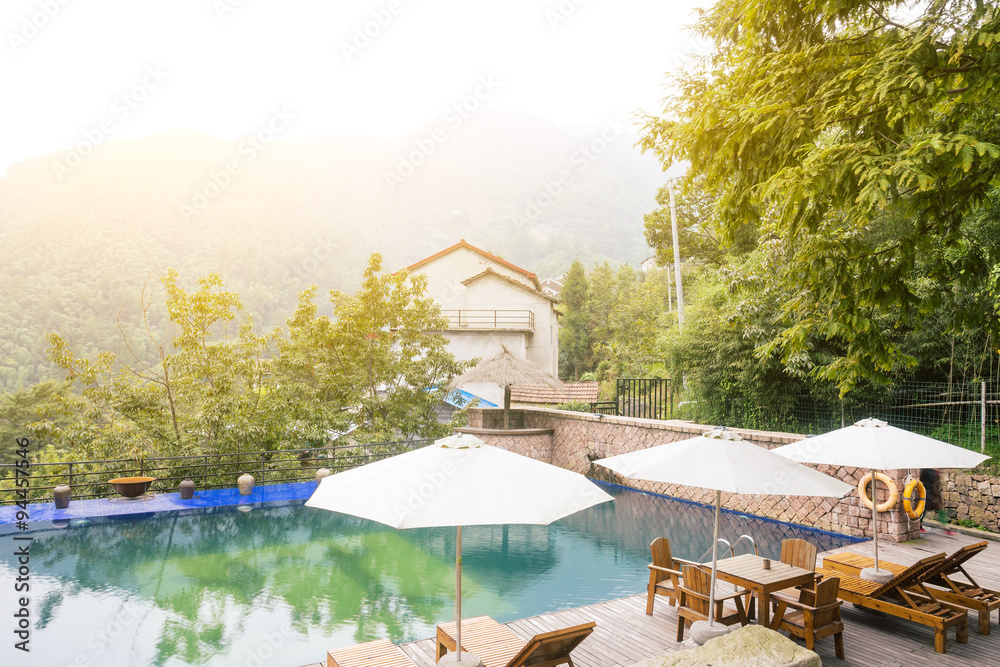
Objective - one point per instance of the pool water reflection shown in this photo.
(283, 583)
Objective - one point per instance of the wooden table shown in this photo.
(747, 571)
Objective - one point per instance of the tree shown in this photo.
(857, 140)
(205, 393)
(697, 231)
(574, 325)
(378, 365)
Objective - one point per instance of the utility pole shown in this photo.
(677, 258)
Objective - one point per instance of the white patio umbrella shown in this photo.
(457, 481)
(875, 445)
(723, 461)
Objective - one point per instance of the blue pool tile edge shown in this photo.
(160, 502)
(820, 531)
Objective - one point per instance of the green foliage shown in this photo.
(377, 365)
(858, 141)
(377, 370)
(575, 323)
(698, 237)
(574, 406)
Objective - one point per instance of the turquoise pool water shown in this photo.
(281, 584)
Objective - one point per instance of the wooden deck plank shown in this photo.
(625, 634)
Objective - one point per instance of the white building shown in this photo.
(488, 302)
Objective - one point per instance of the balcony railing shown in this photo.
(495, 320)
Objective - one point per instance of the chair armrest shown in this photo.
(792, 602)
(664, 569)
(718, 598)
(683, 561)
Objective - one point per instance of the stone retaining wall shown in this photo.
(972, 497)
(578, 438)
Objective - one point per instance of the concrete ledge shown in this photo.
(505, 431)
(964, 530)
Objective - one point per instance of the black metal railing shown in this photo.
(89, 479)
(604, 407)
(647, 398)
(511, 320)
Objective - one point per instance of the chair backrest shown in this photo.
(826, 593)
(660, 549)
(955, 561)
(552, 648)
(799, 553)
(699, 582)
(910, 576)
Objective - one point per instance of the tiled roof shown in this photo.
(489, 255)
(542, 393)
(490, 272)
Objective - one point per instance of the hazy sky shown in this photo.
(84, 71)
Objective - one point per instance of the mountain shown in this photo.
(82, 232)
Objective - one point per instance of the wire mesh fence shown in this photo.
(964, 414)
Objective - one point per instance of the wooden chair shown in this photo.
(664, 573)
(798, 553)
(694, 601)
(498, 646)
(379, 653)
(939, 579)
(906, 597)
(816, 615)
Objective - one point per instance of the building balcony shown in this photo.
(490, 320)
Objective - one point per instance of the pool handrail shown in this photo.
(732, 549)
(729, 548)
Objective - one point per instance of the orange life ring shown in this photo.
(886, 504)
(914, 495)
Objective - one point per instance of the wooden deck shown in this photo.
(625, 635)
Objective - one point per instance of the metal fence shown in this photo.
(648, 398)
(89, 479)
(966, 414)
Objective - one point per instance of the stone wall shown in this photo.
(971, 497)
(577, 439)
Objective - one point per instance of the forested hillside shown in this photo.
(79, 239)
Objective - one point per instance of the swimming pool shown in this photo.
(281, 584)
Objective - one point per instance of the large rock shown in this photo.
(750, 646)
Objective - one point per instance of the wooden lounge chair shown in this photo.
(498, 646)
(816, 614)
(939, 579)
(906, 597)
(694, 600)
(664, 573)
(379, 653)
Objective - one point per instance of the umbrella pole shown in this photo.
(875, 519)
(715, 559)
(506, 407)
(458, 595)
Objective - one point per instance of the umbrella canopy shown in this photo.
(457, 481)
(505, 369)
(723, 461)
(875, 445)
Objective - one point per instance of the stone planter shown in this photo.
(245, 484)
(187, 489)
(62, 494)
(321, 473)
(131, 487)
